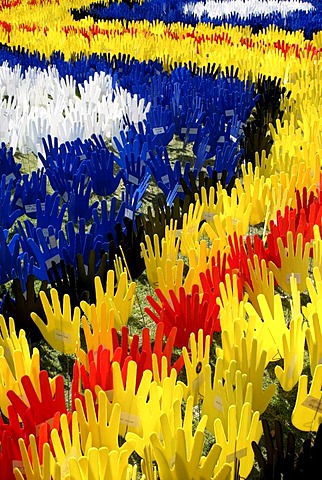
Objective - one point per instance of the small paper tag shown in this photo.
(296, 275)
(179, 189)
(313, 403)
(50, 422)
(55, 259)
(193, 131)
(208, 147)
(18, 464)
(52, 241)
(208, 215)
(19, 203)
(130, 419)
(63, 336)
(109, 394)
(232, 138)
(239, 454)
(221, 139)
(133, 179)
(165, 179)
(82, 157)
(45, 232)
(158, 130)
(178, 232)
(229, 113)
(128, 213)
(31, 208)
(65, 197)
(218, 403)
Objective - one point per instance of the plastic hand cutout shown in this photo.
(87, 270)
(160, 401)
(211, 202)
(223, 389)
(261, 282)
(178, 452)
(126, 393)
(61, 329)
(171, 277)
(314, 339)
(307, 413)
(187, 312)
(101, 171)
(252, 359)
(100, 463)
(191, 226)
(67, 444)
(294, 262)
(97, 325)
(24, 363)
(195, 360)
(35, 468)
(236, 444)
(121, 299)
(42, 398)
(23, 305)
(314, 287)
(100, 424)
(156, 255)
(293, 354)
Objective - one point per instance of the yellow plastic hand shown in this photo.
(96, 423)
(262, 282)
(220, 394)
(67, 444)
(195, 362)
(6, 338)
(161, 400)
(156, 255)
(317, 247)
(171, 277)
(307, 413)
(97, 326)
(237, 208)
(61, 330)
(293, 354)
(179, 453)
(100, 464)
(211, 203)
(48, 469)
(237, 443)
(23, 363)
(256, 189)
(251, 360)
(121, 300)
(191, 227)
(275, 323)
(314, 338)
(128, 396)
(315, 293)
(292, 262)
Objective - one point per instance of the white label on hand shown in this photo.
(55, 259)
(31, 208)
(239, 454)
(229, 113)
(158, 130)
(128, 213)
(297, 276)
(218, 403)
(221, 139)
(133, 179)
(130, 419)
(165, 179)
(63, 336)
(313, 403)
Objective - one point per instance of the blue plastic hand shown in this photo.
(9, 212)
(161, 125)
(100, 167)
(30, 189)
(227, 158)
(8, 166)
(79, 194)
(50, 213)
(81, 242)
(105, 218)
(45, 251)
(9, 254)
(190, 123)
(24, 267)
